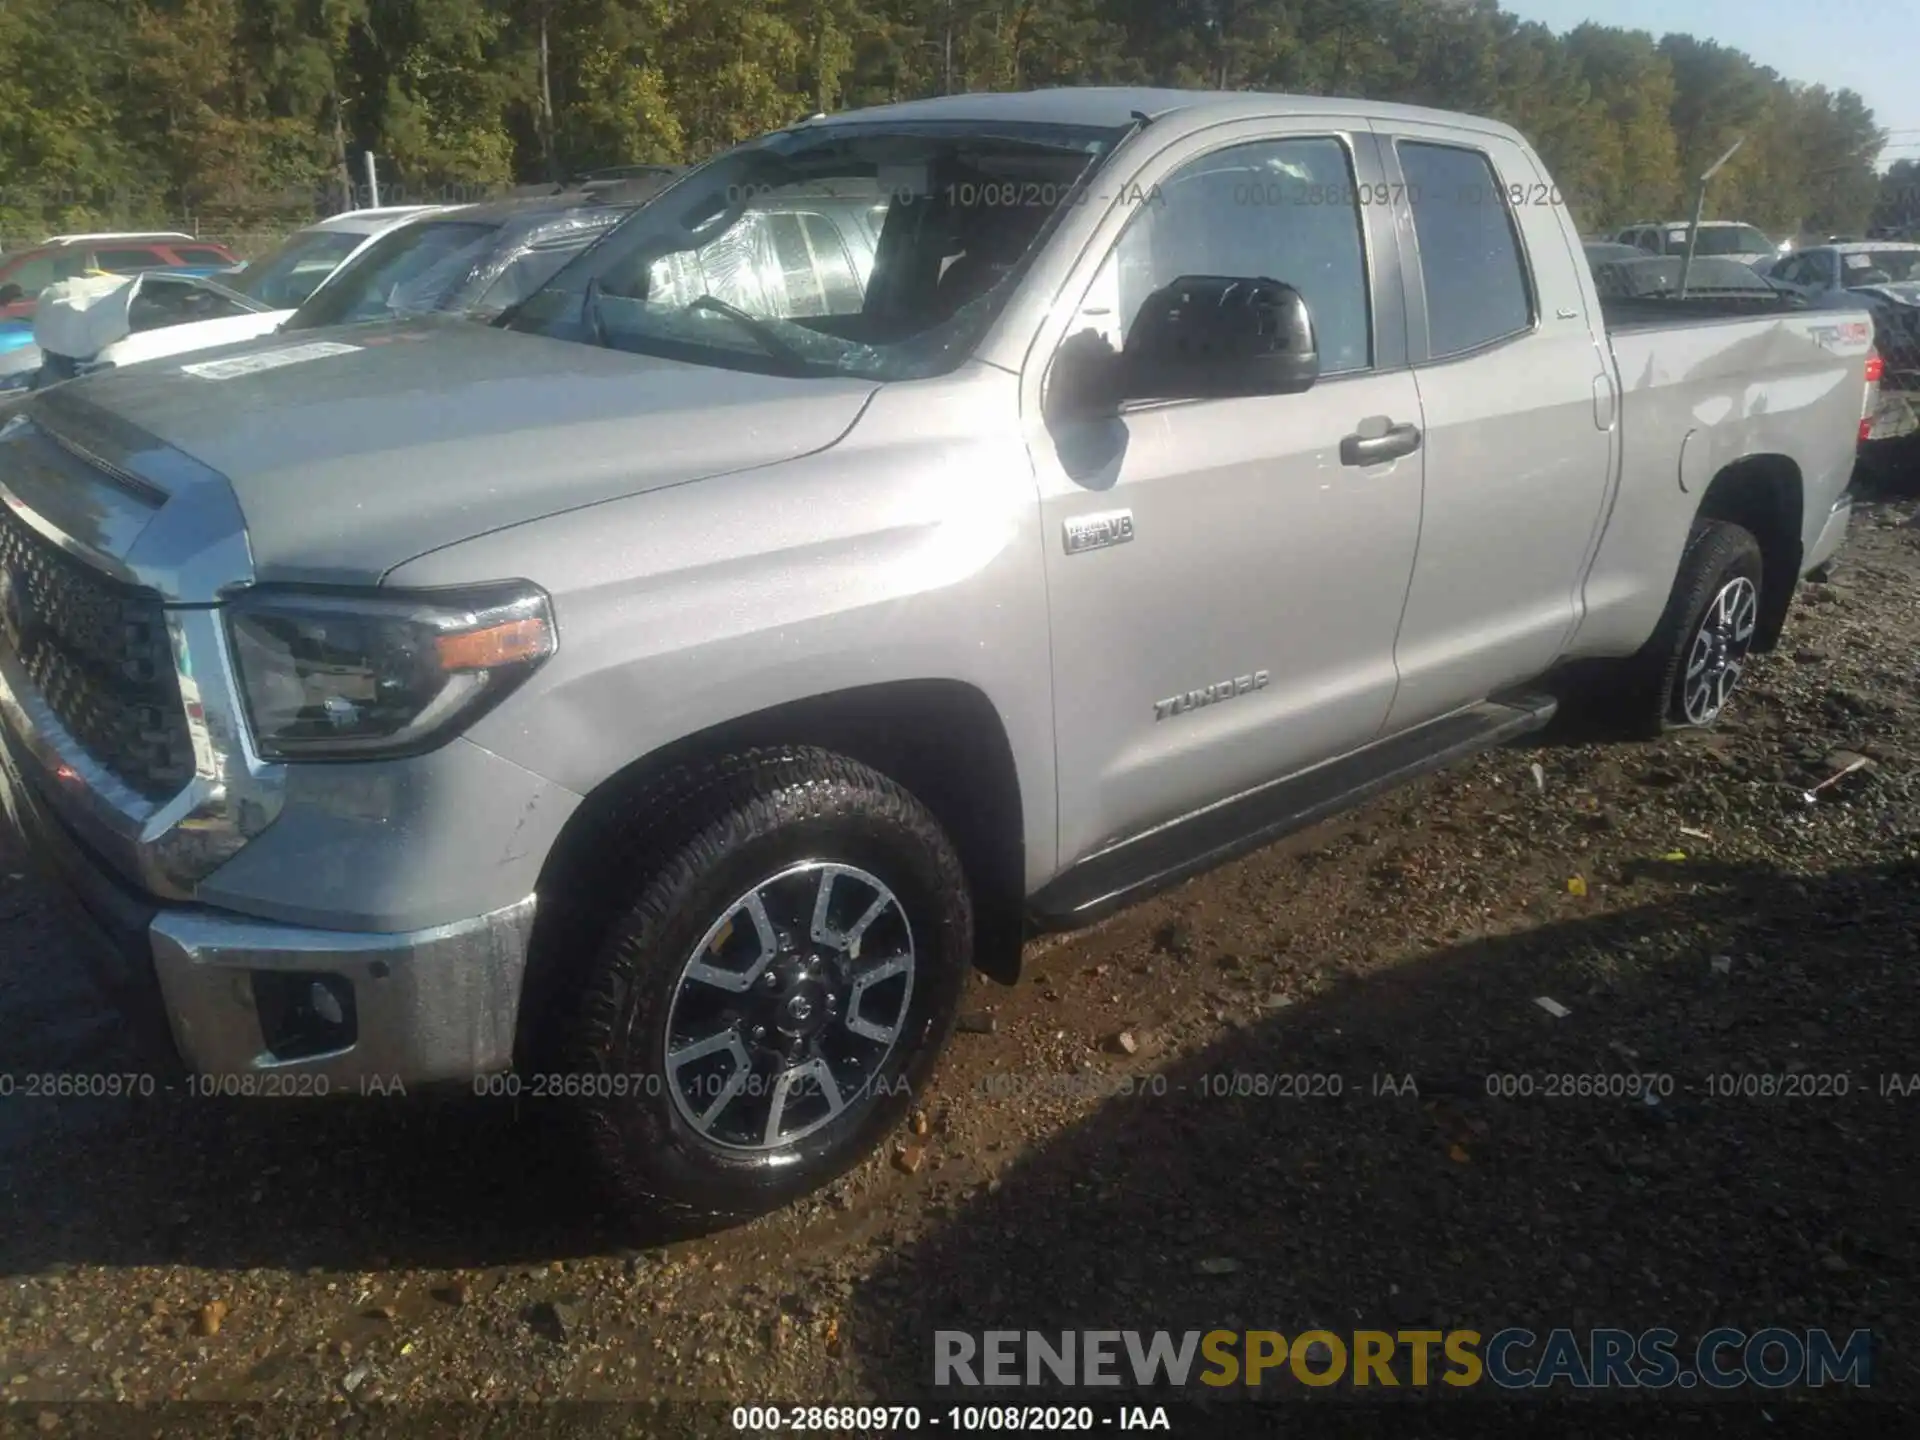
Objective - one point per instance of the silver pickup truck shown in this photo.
(663, 698)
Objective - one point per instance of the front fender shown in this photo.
(909, 551)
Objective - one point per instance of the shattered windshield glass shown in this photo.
(869, 250)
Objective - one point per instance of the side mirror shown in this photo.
(1208, 336)
(11, 294)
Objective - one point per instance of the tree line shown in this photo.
(239, 113)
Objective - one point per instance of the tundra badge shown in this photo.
(1210, 694)
(1096, 532)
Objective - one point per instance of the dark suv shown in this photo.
(24, 274)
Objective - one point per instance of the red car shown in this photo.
(24, 274)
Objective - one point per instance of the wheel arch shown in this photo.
(1766, 496)
(943, 740)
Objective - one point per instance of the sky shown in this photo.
(1872, 46)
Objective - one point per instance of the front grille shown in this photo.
(99, 655)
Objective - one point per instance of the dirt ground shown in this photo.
(1684, 903)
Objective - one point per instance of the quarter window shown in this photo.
(1476, 285)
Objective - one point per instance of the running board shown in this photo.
(1134, 869)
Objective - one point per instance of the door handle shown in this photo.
(1394, 442)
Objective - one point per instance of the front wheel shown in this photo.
(779, 989)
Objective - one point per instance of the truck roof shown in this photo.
(371, 219)
(1117, 105)
(1683, 224)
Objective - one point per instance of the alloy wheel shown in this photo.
(785, 1014)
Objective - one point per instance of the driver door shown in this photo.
(1224, 589)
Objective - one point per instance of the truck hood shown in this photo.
(351, 451)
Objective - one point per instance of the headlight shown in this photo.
(371, 676)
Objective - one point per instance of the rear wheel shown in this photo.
(782, 983)
(1687, 673)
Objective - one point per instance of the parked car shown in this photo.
(1643, 276)
(25, 273)
(1601, 252)
(480, 258)
(1884, 276)
(251, 300)
(1722, 239)
(476, 260)
(665, 696)
(96, 322)
(285, 278)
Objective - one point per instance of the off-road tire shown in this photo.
(704, 837)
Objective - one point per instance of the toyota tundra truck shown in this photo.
(913, 529)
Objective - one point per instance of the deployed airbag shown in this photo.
(79, 318)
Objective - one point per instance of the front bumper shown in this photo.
(203, 988)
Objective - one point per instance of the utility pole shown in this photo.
(1699, 213)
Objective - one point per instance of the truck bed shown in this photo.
(1657, 312)
(1707, 384)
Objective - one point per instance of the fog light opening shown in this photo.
(304, 1014)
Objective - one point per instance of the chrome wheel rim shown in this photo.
(1718, 655)
(787, 1010)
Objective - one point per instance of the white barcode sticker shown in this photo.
(266, 360)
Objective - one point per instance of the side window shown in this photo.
(201, 255)
(121, 261)
(161, 303)
(805, 293)
(1274, 209)
(843, 285)
(33, 276)
(1469, 252)
(526, 272)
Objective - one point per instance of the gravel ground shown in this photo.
(1692, 913)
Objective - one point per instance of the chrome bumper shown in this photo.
(434, 1004)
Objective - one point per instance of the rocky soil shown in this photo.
(1107, 1144)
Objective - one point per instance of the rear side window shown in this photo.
(34, 273)
(129, 259)
(1469, 254)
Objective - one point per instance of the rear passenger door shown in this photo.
(1519, 408)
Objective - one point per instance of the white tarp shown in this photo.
(79, 318)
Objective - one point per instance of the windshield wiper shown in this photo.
(771, 340)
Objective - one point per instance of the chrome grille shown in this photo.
(99, 655)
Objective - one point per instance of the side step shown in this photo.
(1134, 869)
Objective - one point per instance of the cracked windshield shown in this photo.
(883, 255)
